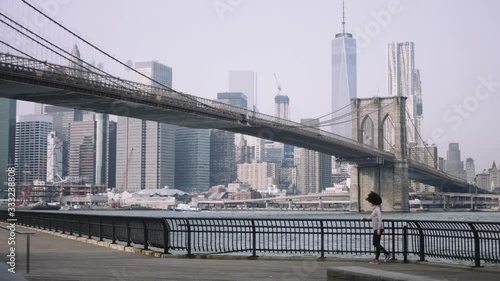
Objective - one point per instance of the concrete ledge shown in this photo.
(357, 273)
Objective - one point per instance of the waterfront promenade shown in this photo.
(58, 258)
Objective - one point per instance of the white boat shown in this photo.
(186, 208)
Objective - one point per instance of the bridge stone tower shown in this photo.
(381, 122)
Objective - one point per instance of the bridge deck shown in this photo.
(56, 258)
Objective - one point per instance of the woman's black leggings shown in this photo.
(376, 243)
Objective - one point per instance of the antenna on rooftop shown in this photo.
(343, 17)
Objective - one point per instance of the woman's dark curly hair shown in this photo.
(374, 198)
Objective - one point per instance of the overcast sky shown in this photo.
(457, 46)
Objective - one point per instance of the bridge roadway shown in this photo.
(37, 81)
(56, 258)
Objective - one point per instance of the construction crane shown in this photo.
(125, 178)
(126, 168)
(278, 84)
(61, 187)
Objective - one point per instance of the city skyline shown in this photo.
(295, 44)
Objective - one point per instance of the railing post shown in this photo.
(422, 242)
(50, 223)
(55, 223)
(79, 226)
(322, 239)
(129, 239)
(100, 229)
(188, 240)
(89, 228)
(393, 237)
(477, 246)
(145, 226)
(254, 239)
(62, 228)
(28, 253)
(405, 243)
(113, 231)
(70, 226)
(166, 235)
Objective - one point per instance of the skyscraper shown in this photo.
(344, 80)
(222, 145)
(61, 117)
(145, 152)
(454, 165)
(7, 138)
(470, 170)
(404, 80)
(31, 147)
(282, 103)
(419, 108)
(314, 169)
(233, 98)
(192, 159)
(244, 82)
(222, 158)
(82, 152)
(101, 151)
(111, 165)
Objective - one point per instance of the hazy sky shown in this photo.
(457, 46)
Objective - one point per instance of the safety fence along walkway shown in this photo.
(475, 242)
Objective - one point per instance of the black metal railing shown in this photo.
(477, 242)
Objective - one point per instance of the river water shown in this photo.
(263, 214)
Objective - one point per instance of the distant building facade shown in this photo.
(403, 79)
(470, 170)
(145, 152)
(454, 164)
(31, 147)
(222, 158)
(314, 169)
(192, 160)
(258, 175)
(245, 82)
(7, 138)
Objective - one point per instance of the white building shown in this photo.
(54, 158)
(404, 80)
(258, 175)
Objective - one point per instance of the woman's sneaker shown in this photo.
(387, 258)
(374, 262)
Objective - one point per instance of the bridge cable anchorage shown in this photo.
(116, 60)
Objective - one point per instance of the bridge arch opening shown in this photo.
(388, 134)
(368, 136)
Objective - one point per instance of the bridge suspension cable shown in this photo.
(71, 58)
(426, 148)
(322, 124)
